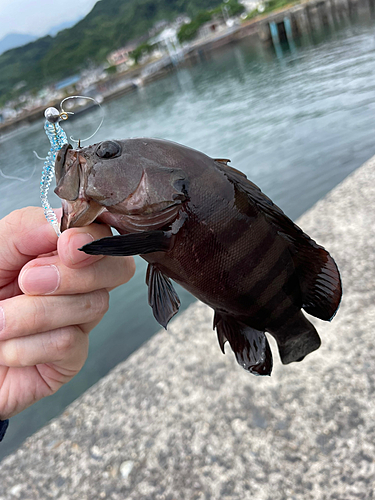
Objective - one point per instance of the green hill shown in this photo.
(110, 25)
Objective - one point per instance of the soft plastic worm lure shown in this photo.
(57, 137)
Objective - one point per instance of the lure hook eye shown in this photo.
(64, 115)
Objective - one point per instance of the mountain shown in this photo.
(110, 25)
(15, 40)
(62, 26)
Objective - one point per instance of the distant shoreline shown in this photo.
(246, 29)
(294, 19)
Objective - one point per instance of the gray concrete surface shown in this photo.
(178, 420)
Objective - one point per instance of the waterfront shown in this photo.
(296, 126)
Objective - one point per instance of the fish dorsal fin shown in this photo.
(318, 275)
(162, 297)
(249, 345)
(224, 161)
(230, 169)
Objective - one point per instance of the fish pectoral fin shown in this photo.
(131, 244)
(162, 297)
(249, 345)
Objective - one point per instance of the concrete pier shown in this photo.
(309, 17)
(178, 420)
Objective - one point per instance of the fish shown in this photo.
(203, 224)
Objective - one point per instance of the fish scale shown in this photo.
(203, 224)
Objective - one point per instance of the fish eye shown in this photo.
(108, 149)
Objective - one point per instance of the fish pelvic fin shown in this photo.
(296, 338)
(131, 244)
(250, 346)
(162, 297)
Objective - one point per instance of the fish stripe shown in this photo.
(268, 267)
(271, 289)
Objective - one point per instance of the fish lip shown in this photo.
(60, 161)
(69, 165)
(79, 213)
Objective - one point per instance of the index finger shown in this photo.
(24, 234)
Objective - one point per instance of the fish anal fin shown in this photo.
(162, 297)
(131, 244)
(249, 345)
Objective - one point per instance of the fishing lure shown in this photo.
(57, 138)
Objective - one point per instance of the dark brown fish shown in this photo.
(205, 225)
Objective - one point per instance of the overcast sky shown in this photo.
(36, 17)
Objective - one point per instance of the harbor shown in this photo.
(281, 27)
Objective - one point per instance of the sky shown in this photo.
(37, 17)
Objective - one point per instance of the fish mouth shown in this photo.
(78, 213)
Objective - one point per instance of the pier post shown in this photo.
(312, 16)
(302, 21)
(275, 39)
(289, 33)
(334, 13)
(325, 14)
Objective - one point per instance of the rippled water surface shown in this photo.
(296, 126)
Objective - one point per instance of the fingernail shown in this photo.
(77, 241)
(40, 280)
(2, 319)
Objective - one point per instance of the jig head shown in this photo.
(57, 138)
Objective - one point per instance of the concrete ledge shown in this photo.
(178, 420)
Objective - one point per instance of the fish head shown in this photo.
(119, 177)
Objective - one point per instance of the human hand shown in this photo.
(51, 296)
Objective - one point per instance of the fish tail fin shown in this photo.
(296, 338)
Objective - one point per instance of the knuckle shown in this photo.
(64, 340)
(10, 354)
(92, 277)
(20, 217)
(39, 313)
(14, 218)
(97, 302)
(101, 302)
